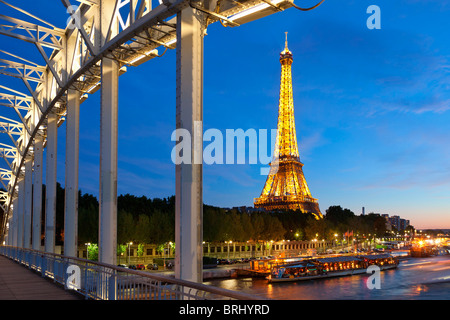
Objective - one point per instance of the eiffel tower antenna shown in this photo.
(286, 43)
(286, 187)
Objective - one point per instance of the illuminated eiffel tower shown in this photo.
(286, 187)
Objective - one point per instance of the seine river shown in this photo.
(414, 279)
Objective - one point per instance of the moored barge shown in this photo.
(309, 269)
(421, 251)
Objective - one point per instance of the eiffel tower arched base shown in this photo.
(286, 204)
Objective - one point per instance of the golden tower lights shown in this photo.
(286, 187)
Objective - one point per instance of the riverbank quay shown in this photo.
(260, 268)
(212, 273)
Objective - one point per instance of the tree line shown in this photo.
(146, 220)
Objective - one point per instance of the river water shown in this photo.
(414, 279)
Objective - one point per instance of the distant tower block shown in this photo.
(286, 187)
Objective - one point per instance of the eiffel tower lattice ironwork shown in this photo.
(286, 186)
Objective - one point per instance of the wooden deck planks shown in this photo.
(19, 283)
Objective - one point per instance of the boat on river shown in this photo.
(422, 251)
(320, 268)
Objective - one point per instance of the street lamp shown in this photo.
(335, 240)
(228, 250)
(168, 251)
(87, 250)
(129, 251)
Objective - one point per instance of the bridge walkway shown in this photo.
(17, 282)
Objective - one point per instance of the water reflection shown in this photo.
(415, 278)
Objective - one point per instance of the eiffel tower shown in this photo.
(286, 187)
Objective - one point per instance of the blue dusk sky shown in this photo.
(372, 107)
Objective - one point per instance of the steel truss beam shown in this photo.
(7, 153)
(51, 38)
(15, 101)
(6, 176)
(12, 127)
(4, 200)
(22, 71)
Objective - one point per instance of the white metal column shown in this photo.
(189, 116)
(71, 188)
(28, 203)
(15, 223)
(107, 249)
(108, 162)
(50, 189)
(37, 192)
(9, 235)
(20, 211)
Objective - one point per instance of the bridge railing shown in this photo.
(101, 281)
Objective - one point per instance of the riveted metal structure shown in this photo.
(101, 40)
(286, 186)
